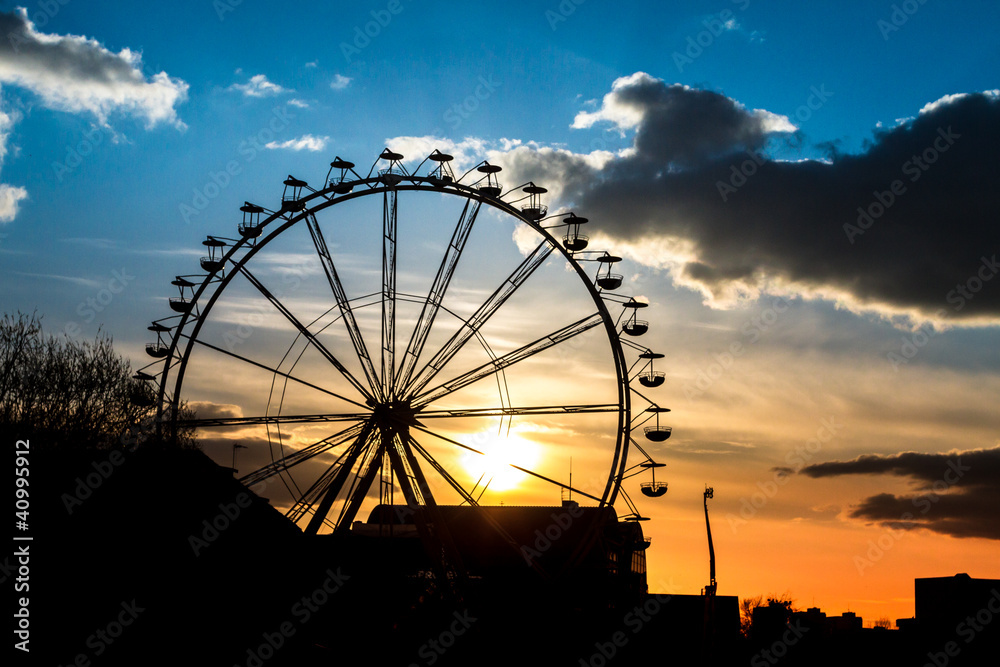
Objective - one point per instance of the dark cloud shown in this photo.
(956, 494)
(682, 126)
(754, 223)
(210, 410)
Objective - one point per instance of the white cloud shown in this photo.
(613, 109)
(773, 122)
(306, 142)
(77, 74)
(340, 82)
(259, 86)
(313, 63)
(298, 103)
(467, 152)
(9, 195)
(932, 107)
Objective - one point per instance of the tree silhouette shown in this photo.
(63, 392)
(747, 605)
(883, 623)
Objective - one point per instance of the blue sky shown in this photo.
(130, 132)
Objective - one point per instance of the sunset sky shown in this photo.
(807, 197)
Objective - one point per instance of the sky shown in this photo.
(805, 196)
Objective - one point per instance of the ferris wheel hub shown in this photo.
(395, 414)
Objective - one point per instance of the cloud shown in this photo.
(340, 82)
(10, 195)
(211, 410)
(295, 102)
(306, 142)
(259, 86)
(77, 74)
(468, 152)
(697, 175)
(956, 493)
(680, 125)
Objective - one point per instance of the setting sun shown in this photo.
(500, 453)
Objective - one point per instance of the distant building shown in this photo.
(943, 604)
(846, 623)
(585, 549)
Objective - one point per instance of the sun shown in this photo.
(500, 452)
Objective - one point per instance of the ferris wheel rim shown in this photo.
(327, 197)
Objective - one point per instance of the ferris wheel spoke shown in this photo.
(472, 326)
(431, 526)
(370, 466)
(299, 456)
(467, 497)
(347, 313)
(519, 411)
(389, 294)
(515, 467)
(500, 363)
(312, 495)
(438, 289)
(272, 420)
(277, 372)
(361, 444)
(306, 333)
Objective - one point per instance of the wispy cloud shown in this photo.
(83, 282)
(295, 102)
(306, 142)
(259, 86)
(340, 82)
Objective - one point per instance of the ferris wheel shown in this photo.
(409, 337)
